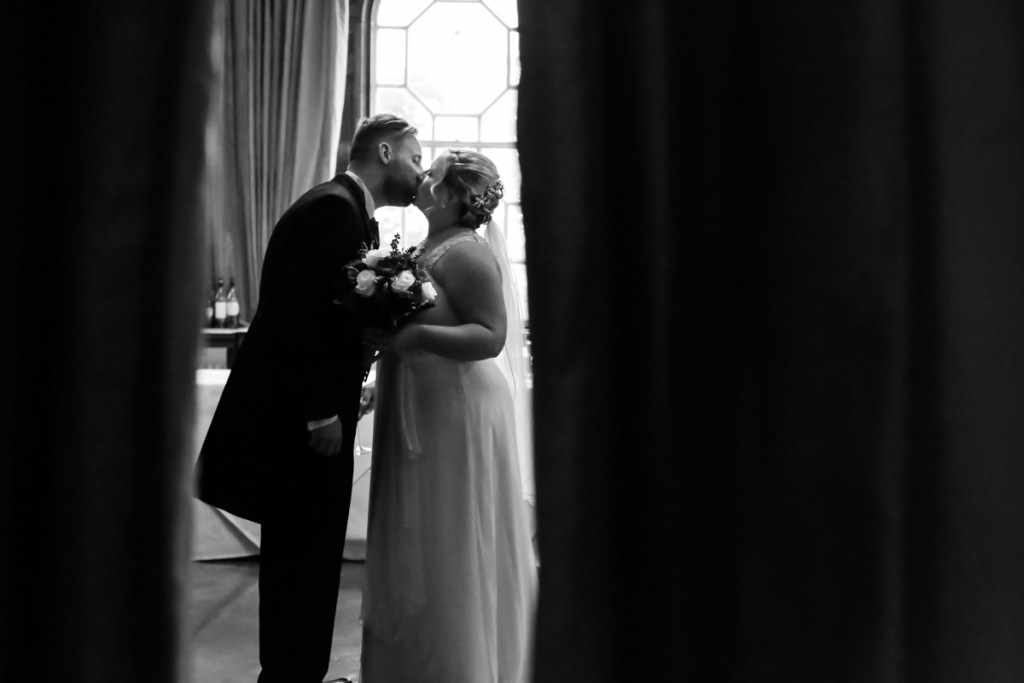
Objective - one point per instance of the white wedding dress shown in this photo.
(451, 575)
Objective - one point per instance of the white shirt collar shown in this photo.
(371, 207)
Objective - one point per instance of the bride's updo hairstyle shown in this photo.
(473, 179)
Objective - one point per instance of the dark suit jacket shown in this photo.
(301, 359)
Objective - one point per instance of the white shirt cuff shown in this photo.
(317, 424)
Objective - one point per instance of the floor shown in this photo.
(223, 628)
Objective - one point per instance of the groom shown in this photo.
(279, 448)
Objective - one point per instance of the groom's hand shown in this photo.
(368, 399)
(326, 440)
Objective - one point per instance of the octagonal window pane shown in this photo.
(507, 11)
(401, 102)
(399, 12)
(457, 128)
(389, 65)
(458, 58)
(498, 124)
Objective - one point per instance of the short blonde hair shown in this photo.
(376, 129)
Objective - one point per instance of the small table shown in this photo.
(229, 338)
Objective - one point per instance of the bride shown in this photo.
(451, 576)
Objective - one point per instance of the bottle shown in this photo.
(233, 306)
(220, 305)
(208, 317)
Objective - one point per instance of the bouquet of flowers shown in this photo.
(392, 287)
(394, 283)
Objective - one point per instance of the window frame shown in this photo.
(366, 83)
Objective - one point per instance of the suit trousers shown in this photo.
(302, 539)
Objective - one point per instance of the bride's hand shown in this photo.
(407, 339)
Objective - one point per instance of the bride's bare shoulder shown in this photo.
(468, 257)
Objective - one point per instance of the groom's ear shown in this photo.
(384, 153)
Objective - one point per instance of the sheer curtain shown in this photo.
(275, 129)
(272, 134)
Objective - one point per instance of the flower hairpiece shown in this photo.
(486, 201)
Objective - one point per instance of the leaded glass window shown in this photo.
(451, 68)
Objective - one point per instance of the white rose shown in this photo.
(366, 283)
(374, 256)
(403, 281)
(429, 293)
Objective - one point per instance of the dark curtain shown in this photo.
(102, 280)
(776, 287)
